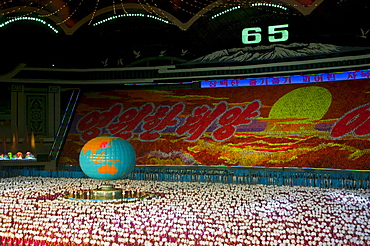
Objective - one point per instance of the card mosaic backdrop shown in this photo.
(322, 125)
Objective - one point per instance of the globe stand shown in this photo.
(108, 193)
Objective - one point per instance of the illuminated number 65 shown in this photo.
(251, 35)
(284, 34)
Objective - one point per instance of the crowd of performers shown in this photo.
(34, 212)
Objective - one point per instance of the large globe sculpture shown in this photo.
(107, 158)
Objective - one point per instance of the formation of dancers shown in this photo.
(33, 211)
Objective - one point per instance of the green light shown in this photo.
(269, 5)
(226, 11)
(129, 15)
(28, 19)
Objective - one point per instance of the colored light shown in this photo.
(62, 123)
(172, 83)
(268, 5)
(29, 19)
(226, 11)
(130, 15)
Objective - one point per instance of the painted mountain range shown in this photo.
(275, 52)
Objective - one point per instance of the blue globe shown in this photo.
(107, 158)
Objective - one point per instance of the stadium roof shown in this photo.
(119, 33)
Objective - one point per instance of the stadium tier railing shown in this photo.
(252, 176)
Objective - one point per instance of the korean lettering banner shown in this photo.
(320, 125)
(285, 80)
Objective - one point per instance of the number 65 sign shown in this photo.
(277, 33)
